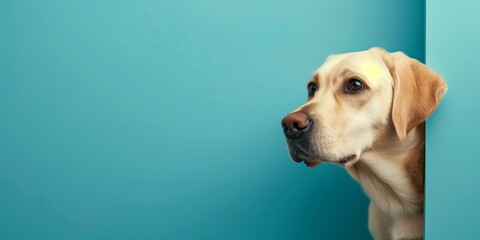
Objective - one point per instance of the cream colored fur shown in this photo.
(383, 126)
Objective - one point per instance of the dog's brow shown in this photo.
(314, 79)
(350, 73)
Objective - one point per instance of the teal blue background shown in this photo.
(452, 173)
(161, 119)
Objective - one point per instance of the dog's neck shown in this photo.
(391, 172)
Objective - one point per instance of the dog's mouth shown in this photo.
(344, 161)
(312, 160)
(348, 160)
(303, 152)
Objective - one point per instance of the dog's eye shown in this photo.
(354, 85)
(311, 89)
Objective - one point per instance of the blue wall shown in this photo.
(161, 119)
(452, 177)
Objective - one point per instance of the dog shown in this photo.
(366, 112)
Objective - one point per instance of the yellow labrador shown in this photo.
(366, 112)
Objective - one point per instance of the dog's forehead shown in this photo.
(364, 63)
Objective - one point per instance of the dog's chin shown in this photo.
(299, 155)
(310, 160)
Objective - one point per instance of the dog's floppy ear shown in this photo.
(417, 91)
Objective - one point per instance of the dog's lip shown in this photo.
(347, 160)
(308, 163)
(344, 161)
(311, 164)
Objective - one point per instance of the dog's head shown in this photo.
(355, 99)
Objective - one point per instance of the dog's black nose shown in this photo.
(295, 123)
